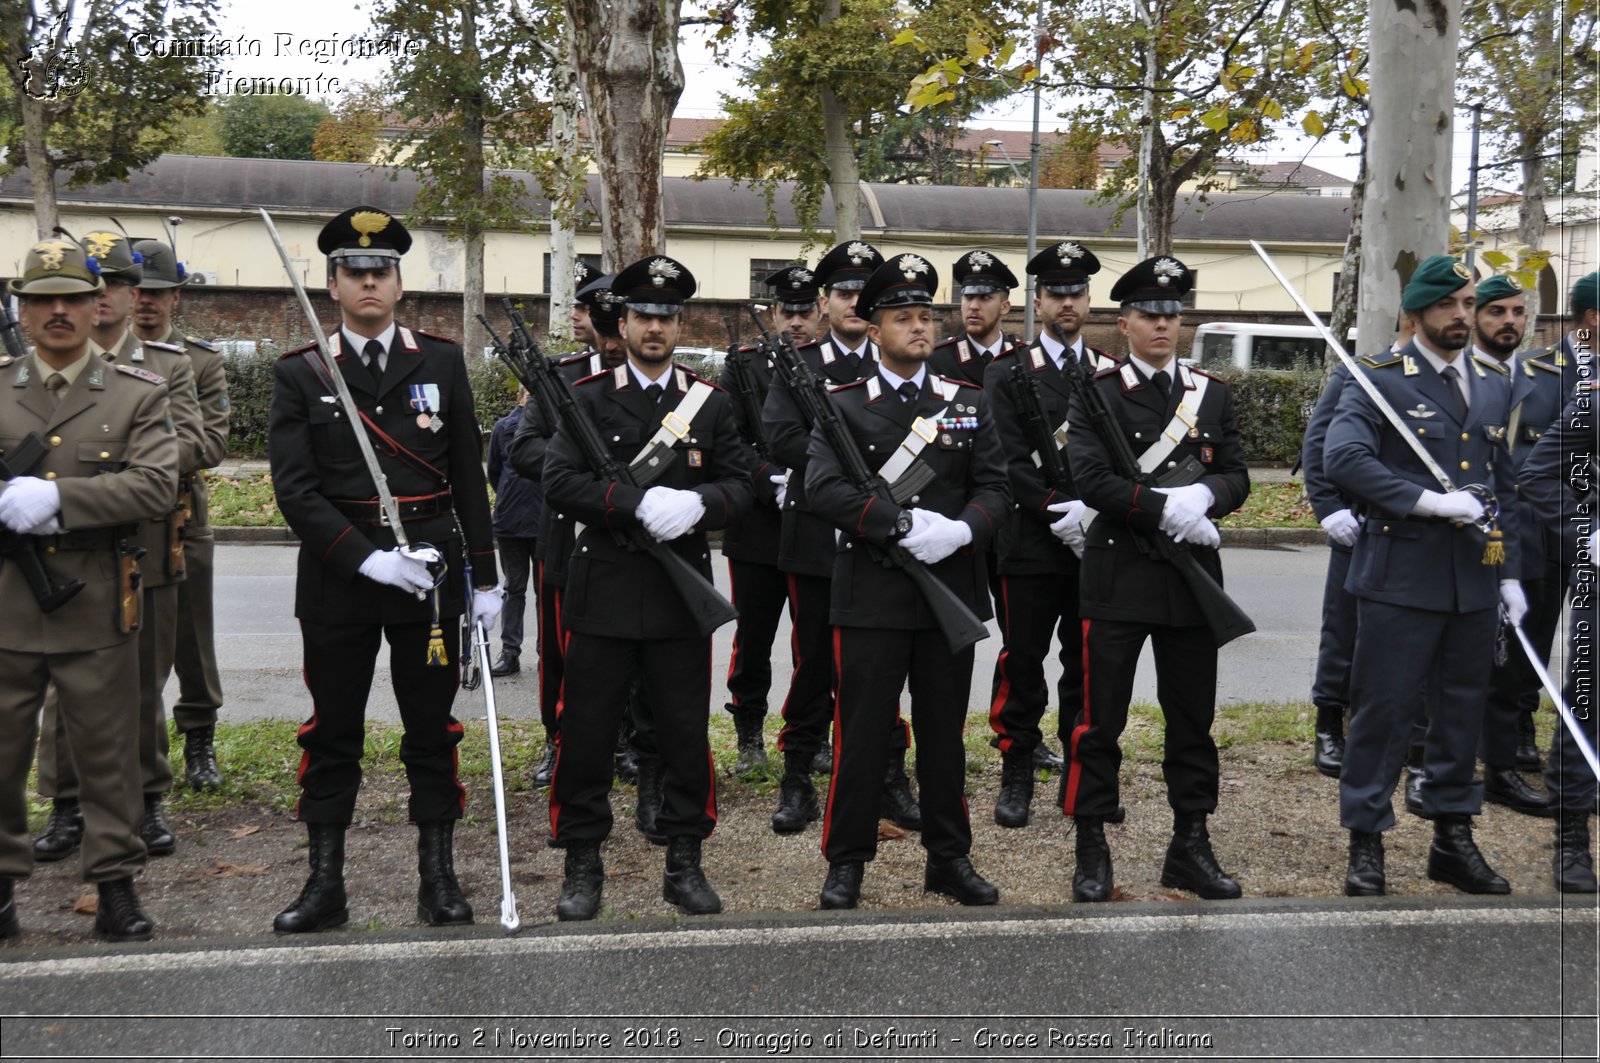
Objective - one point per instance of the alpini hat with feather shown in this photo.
(364, 238)
(56, 267)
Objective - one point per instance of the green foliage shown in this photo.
(494, 391)
(270, 127)
(353, 131)
(249, 397)
(1273, 408)
(200, 134)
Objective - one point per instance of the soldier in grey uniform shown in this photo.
(199, 680)
(111, 461)
(1428, 576)
(161, 573)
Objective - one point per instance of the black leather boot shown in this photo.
(899, 803)
(1454, 858)
(752, 748)
(1503, 786)
(1413, 776)
(545, 773)
(154, 828)
(200, 758)
(1016, 788)
(1091, 878)
(10, 927)
(651, 795)
(1047, 759)
(684, 884)
(63, 832)
(321, 904)
(584, 881)
(842, 887)
(797, 798)
(439, 898)
(1363, 875)
(505, 664)
(1574, 861)
(1192, 866)
(957, 879)
(1527, 756)
(822, 763)
(627, 761)
(119, 917)
(1328, 745)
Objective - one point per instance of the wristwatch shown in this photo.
(902, 524)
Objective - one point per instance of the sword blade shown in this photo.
(508, 900)
(391, 510)
(1573, 726)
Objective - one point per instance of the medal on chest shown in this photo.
(425, 400)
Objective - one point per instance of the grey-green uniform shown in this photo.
(161, 574)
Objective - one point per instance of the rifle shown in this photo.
(9, 330)
(1223, 616)
(24, 549)
(961, 627)
(742, 382)
(536, 373)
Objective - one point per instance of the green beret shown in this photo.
(1497, 287)
(1436, 278)
(1586, 293)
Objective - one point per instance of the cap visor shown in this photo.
(657, 309)
(55, 286)
(982, 288)
(1065, 289)
(849, 284)
(798, 308)
(1160, 307)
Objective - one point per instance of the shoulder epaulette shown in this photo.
(1010, 352)
(1492, 363)
(571, 359)
(1380, 361)
(1546, 366)
(143, 374)
(697, 378)
(1110, 370)
(595, 376)
(162, 345)
(852, 384)
(204, 345)
(1197, 371)
(298, 350)
(960, 383)
(434, 336)
(808, 345)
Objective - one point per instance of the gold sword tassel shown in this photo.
(437, 658)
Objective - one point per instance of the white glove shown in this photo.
(1462, 507)
(937, 538)
(1342, 527)
(1069, 529)
(782, 480)
(1185, 509)
(395, 568)
(50, 526)
(28, 502)
(1204, 533)
(667, 513)
(486, 606)
(1513, 603)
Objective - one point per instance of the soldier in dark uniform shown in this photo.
(1500, 320)
(1574, 355)
(518, 503)
(884, 633)
(1427, 585)
(1040, 543)
(1167, 412)
(624, 619)
(553, 550)
(199, 679)
(161, 573)
(1558, 482)
(984, 283)
(356, 587)
(806, 553)
(760, 588)
(583, 331)
(111, 462)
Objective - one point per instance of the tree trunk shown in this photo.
(1344, 300)
(1531, 218)
(844, 175)
(566, 189)
(41, 167)
(1406, 217)
(627, 53)
(473, 338)
(1144, 222)
(1161, 185)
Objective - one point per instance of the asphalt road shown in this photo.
(258, 641)
(1458, 978)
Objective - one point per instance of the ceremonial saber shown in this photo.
(1573, 726)
(480, 656)
(391, 510)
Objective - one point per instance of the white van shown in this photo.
(1249, 345)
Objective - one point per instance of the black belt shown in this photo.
(370, 511)
(89, 539)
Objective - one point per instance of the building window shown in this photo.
(592, 261)
(760, 270)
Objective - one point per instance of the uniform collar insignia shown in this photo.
(619, 377)
(1130, 378)
(408, 339)
(874, 388)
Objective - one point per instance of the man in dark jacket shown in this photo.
(518, 503)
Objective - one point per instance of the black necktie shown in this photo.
(1163, 382)
(853, 360)
(908, 391)
(654, 392)
(1453, 382)
(372, 354)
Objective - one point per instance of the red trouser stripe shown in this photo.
(1002, 695)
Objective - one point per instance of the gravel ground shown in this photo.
(1276, 832)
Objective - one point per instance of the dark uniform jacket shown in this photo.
(1536, 401)
(1401, 559)
(1559, 478)
(526, 449)
(807, 544)
(1119, 581)
(1025, 546)
(518, 501)
(970, 486)
(612, 588)
(955, 358)
(327, 495)
(756, 536)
